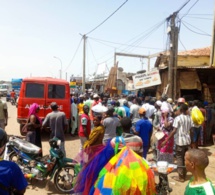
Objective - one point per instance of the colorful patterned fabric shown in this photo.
(99, 156)
(126, 173)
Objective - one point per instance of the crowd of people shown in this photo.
(165, 126)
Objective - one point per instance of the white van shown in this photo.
(5, 89)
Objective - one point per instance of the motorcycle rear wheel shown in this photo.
(64, 179)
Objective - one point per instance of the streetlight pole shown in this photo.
(60, 66)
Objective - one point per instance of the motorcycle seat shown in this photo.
(26, 146)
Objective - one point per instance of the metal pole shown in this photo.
(84, 64)
(148, 64)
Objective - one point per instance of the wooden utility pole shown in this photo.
(84, 63)
(175, 86)
(172, 68)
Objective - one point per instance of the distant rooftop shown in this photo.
(196, 52)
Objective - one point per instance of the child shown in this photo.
(196, 161)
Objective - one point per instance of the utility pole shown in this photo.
(84, 64)
(172, 68)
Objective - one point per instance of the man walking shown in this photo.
(58, 124)
(182, 125)
(143, 128)
(3, 114)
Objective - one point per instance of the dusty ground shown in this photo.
(72, 147)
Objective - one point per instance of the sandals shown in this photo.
(177, 178)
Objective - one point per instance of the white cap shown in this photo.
(95, 96)
(159, 103)
(169, 100)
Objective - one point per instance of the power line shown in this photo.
(116, 43)
(182, 6)
(190, 9)
(204, 33)
(74, 55)
(199, 18)
(107, 18)
(182, 44)
(141, 36)
(92, 51)
(199, 14)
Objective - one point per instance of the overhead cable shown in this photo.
(107, 18)
(199, 18)
(203, 33)
(190, 9)
(91, 49)
(182, 44)
(74, 54)
(116, 43)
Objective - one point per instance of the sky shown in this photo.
(37, 35)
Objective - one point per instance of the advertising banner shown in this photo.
(147, 79)
(72, 84)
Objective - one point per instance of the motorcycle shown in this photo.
(55, 165)
(163, 168)
(12, 101)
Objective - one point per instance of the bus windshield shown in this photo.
(3, 86)
(16, 83)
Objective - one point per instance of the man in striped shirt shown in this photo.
(182, 125)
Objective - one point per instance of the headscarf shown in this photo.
(32, 111)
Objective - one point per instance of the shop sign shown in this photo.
(147, 79)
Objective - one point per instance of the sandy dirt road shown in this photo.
(72, 148)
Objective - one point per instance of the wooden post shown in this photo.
(172, 55)
(175, 86)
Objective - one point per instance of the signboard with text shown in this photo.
(147, 79)
(72, 84)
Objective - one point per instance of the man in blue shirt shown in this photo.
(126, 107)
(143, 128)
(11, 176)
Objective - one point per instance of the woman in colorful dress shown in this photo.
(165, 153)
